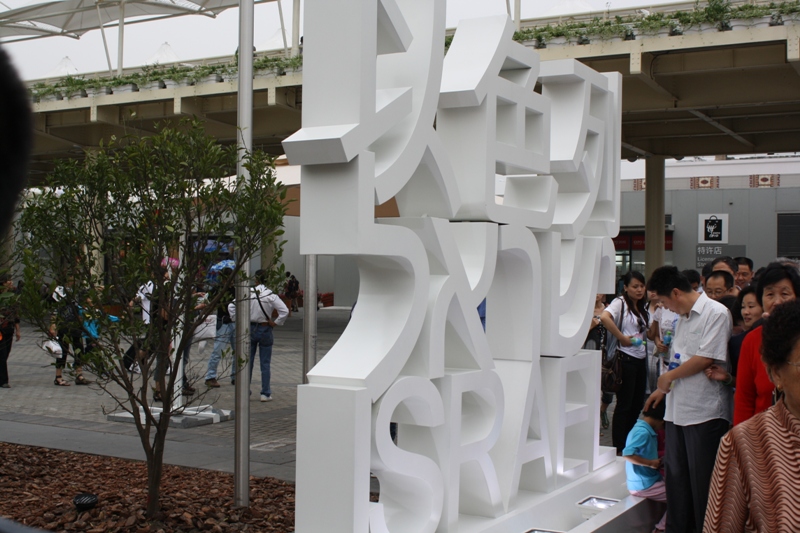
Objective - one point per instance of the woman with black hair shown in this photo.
(754, 391)
(749, 312)
(626, 319)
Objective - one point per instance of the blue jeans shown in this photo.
(226, 335)
(261, 338)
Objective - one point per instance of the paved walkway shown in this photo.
(37, 413)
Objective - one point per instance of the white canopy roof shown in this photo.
(79, 16)
(64, 68)
(164, 55)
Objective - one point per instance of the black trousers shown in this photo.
(630, 399)
(689, 457)
(5, 351)
(71, 341)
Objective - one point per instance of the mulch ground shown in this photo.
(37, 486)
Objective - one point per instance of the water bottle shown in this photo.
(636, 341)
(667, 339)
(675, 363)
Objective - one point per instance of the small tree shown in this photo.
(104, 226)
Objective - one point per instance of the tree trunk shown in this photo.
(155, 467)
(155, 462)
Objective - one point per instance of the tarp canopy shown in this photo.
(27, 29)
(75, 17)
(79, 16)
(64, 68)
(163, 56)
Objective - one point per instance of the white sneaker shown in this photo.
(265, 398)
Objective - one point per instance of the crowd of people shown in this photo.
(74, 326)
(711, 361)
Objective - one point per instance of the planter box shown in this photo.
(127, 88)
(211, 78)
(51, 97)
(762, 22)
(172, 84)
(152, 85)
(80, 93)
(266, 73)
(98, 91)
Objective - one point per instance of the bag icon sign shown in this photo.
(713, 229)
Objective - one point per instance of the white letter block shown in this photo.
(411, 482)
(333, 451)
(462, 261)
(512, 196)
(513, 318)
(572, 389)
(582, 125)
(491, 121)
(474, 405)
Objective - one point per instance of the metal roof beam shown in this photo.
(720, 127)
(636, 150)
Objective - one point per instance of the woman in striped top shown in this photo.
(754, 486)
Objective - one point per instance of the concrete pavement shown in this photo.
(35, 412)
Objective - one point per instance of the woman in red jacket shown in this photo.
(754, 391)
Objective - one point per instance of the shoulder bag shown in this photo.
(611, 367)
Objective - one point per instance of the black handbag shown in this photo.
(611, 367)
(611, 374)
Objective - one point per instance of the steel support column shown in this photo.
(654, 214)
(241, 476)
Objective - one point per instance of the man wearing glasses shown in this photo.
(720, 284)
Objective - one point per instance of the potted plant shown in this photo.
(151, 78)
(74, 87)
(206, 74)
(97, 87)
(123, 85)
(177, 76)
(48, 93)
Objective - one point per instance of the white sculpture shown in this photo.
(480, 434)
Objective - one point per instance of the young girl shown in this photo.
(641, 452)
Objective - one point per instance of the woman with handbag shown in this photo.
(596, 340)
(626, 320)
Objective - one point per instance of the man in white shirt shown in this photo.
(262, 304)
(698, 410)
(143, 296)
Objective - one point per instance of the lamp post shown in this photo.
(241, 476)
